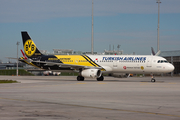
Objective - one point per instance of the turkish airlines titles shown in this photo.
(125, 58)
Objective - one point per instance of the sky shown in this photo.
(66, 24)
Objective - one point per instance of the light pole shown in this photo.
(118, 47)
(17, 59)
(92, 37)
(158, 1)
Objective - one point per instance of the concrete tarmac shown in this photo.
(64, 98)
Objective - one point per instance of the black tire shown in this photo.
(80, 78)
(100, 78)
(153, 80)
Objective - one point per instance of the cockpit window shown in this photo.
(162, 61)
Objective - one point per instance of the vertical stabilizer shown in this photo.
(30, 48)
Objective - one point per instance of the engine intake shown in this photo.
(92, 73)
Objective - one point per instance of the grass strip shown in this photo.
(8, 81)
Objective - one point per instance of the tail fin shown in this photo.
(30, 48)
(152, 50)
(153, 53)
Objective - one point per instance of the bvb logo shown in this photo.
(29, 48)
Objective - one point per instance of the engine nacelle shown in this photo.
(93, 73)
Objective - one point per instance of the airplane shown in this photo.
(93, 66)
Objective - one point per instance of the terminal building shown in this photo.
(109, 52)
(63, 51)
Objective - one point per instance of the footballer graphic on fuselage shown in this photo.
(93, 66)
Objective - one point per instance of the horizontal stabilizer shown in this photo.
(158, 53)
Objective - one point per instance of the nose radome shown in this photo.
(171, 67)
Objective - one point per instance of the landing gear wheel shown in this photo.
(100, 78)
(153, 80)
(80, 78)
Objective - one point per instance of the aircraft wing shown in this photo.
(72, 66)
(25, 60)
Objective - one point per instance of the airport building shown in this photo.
(63, 51)
(174, 58)
(66, 52)
(9, 65)
(109, 52)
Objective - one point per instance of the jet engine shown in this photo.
(93, 73)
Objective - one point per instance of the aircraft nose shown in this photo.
(171, 67)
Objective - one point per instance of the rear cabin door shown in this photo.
(76, 61)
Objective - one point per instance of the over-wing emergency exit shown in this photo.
(93, 66)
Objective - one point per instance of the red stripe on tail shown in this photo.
(24, 55)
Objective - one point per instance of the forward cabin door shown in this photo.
(149, 62)
(115, 64)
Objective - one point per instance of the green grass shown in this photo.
(8, 81)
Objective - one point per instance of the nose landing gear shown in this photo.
(152, 78)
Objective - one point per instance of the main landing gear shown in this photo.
(81, 78)
(101, 78)
(152, 78)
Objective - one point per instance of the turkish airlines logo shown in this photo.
(124, 67)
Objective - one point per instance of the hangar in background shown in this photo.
(174, 58)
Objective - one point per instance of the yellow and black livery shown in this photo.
(29, 47)
(58, 62)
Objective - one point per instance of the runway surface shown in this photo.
(64, 98)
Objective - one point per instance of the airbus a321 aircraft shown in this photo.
(93, 66)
